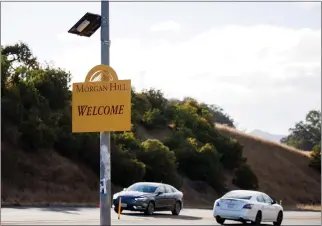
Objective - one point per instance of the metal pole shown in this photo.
(105, 146)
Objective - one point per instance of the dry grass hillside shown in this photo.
(47, 177)
(44, 177)
(282, 171)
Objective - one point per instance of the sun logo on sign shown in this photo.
(101, 73)
(101, 76)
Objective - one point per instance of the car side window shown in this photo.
(161, 189)
(260, 198)
(267, 199)
(168, 189)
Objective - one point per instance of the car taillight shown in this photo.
(247, 206)
(217, 204)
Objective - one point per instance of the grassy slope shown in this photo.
(49, 178)
(282, 171)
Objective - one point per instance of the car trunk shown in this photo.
(232, 204)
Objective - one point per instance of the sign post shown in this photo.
(105, 137)
(87, 25)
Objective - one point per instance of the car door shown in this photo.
(263, 207)
(271, 208)
(160, 202)
(170, 197)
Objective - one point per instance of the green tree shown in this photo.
(220, 117)
(126, 169)
(160, 162)
(315, 158)
(155, 98)
(305, 135)
(154, 119)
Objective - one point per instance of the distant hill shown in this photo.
(267, 136)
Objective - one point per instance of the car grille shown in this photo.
(125, 199)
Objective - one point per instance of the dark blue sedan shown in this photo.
(148, 197)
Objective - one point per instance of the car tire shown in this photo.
(220, 220)
(258, 218)
(149, 209)
(177, 208)
(116, 210)
(279, 219)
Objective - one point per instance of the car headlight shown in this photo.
(141, 199)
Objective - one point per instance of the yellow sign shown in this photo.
(102, 102)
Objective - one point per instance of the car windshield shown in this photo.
(235, 195)
(142, 188)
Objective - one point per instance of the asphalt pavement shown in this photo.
(90, 216)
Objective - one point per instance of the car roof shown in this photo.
(150, 183)
(155, 184)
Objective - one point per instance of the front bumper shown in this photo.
(131, 204)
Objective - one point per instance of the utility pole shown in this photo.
(105, 137)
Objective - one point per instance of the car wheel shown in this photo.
(220, 220)
(258, 218)
(279, 219)
(149, 209)
(177, 209)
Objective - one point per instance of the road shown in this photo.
(90, 216)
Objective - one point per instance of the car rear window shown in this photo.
(238, 196)
(173, 189)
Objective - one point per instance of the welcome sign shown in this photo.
(101, 105)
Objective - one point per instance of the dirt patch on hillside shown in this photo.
(44, 177)
(159, 134)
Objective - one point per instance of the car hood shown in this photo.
(133, 194)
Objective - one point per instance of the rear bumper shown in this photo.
(238, 215)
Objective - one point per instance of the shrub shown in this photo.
(140, 105)
(245, 178)
(155, 98)
(160, 162)
(315, 158)
(128, 141)
(125, 169)
(231, 150)
(154, 119)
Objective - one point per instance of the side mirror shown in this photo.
(159, 193)
(274, 202)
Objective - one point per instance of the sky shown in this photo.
(259, 61)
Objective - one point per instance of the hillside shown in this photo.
(267, 136)
(174, 141)
(282, 171)
(51, 178)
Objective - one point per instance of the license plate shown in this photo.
(231, 205)
(123, 205)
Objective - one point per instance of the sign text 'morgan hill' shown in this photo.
(92, 87)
